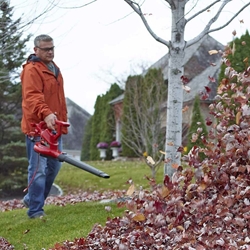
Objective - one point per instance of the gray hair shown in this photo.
(45, 38)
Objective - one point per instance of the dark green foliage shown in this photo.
(103, 122)
(141, 116)
(240, 59)
(197, 123)
(13, 163)
(85, 153)
(129, 113)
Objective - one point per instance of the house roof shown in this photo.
(117, 99)
(197, 67)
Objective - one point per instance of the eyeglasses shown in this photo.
(46, 49)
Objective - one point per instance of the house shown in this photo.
(78, 118)
(199, 67)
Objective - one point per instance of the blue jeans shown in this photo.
(42, 172)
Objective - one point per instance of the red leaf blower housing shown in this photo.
(48, 147)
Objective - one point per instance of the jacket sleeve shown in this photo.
(32, 92)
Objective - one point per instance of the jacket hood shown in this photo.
(33, 58)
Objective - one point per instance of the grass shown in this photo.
(73, 221)
(60, 224)
(71, 178)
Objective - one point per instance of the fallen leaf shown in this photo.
(164, 191)
(186, 88)
(108, 208)
(185, 109)
(202, 186)
(162, 152)
(212, 52)
(131, 190)
(233, 49)
(238, 116)
(184, 79)
(180, 228)
(150, 160)
(139, 217)
(175, 165)
(211, 79)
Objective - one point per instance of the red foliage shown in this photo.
(81, 196)
(5, 245)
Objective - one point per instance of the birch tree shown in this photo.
(177, 46)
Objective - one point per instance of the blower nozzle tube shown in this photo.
(82, 165)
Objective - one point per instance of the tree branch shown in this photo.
(71, 7)
(213, 20)
(201, 11)
(137, 9)
(171, 3)
(223, 26)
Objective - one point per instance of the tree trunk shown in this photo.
(175, 90)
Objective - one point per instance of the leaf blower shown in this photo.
(48, 147)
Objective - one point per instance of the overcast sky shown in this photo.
(97, 44)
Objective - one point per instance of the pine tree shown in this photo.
(197, 128)
(103, 121)
(238, 54)
(13, 162)
(85, 153)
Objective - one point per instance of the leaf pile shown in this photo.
(5, 245)
(80, 196)
(204, 206)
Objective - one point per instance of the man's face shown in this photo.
(45, 51)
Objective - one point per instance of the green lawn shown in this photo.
(60, 224)
(70, 177)
(73, 221)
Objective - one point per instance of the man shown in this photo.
(43, 99)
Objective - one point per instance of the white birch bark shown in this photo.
(175, 91)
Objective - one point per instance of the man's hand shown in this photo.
(50, 121)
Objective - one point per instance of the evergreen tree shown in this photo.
(103, 121)
(133, 90)
(238, 55)
(197, 123)
(85, 153)
(13, 162)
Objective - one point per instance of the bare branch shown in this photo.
(37, 17)
(171, 3)
(72, 7)
(137, 9)
(223, 26)
(201, 11)
(206, 29)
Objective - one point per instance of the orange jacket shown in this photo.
(42, 94)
